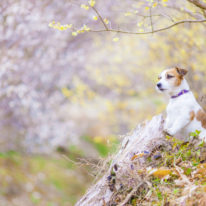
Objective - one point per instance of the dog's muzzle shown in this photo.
(159, 85)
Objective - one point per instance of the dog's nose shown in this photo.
(159, 85)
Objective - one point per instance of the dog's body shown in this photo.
(184, 114)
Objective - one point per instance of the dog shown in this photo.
(183, 114)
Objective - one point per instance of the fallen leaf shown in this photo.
(137, 156)
(160, 173)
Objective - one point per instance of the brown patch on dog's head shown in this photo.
(176, 73)
(201, 116)
(192, 115)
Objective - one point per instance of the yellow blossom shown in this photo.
(95, 18)
(74, 33)
(69, 26)
(83, 6)
(106, 21)
(140, 24)
(164, 2)
(154, 5)
(128, 14)
(51, 24)
(59, 26)
(115, 39)
(85, 28)
(80, 31)
(91, 2)
(66, 92)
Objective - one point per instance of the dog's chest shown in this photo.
(177, 107)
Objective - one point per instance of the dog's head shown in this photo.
(170, 79)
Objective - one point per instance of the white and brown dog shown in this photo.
(184, 114)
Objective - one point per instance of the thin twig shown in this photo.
(147, 16)
(150, 16)
(167, 16)
(100, 17)
(150, 32)
(181, 173)
(130, 194)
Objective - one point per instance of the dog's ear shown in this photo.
(181, 72)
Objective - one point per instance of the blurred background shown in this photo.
(67, 97)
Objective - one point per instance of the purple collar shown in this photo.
(181, 93)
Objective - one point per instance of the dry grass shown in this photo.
(174, 174)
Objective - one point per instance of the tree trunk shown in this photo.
(134, 149)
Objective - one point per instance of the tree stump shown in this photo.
(133, 152)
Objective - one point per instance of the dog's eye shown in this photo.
(159, 77)
(169, 76)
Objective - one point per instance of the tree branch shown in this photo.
(150, 32)
(100, 17)
(198, 3)
(204, 12)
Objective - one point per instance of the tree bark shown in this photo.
(143, 140)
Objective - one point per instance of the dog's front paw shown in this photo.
(166, 129)
(168, 132)
(166, 126)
